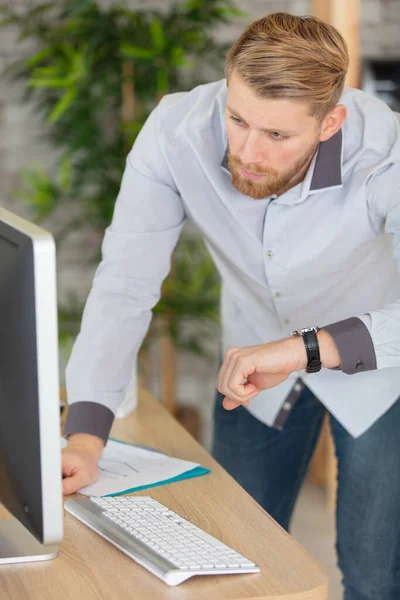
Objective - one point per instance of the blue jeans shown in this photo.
(271, 465)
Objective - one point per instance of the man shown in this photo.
(295, 186)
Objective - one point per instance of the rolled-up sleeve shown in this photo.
(355, 345)
(136, 255)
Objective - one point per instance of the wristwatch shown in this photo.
(309, 335)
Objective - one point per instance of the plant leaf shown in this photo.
(55, 82)
(162, 81)
(157, 34)
(65, 172)
(39, 56)
(137, 52)
(62, 105)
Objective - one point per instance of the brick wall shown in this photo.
(23, 138)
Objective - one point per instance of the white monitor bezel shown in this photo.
(45, 281)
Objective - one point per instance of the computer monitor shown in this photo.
(30, 437)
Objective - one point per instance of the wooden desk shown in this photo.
(89, 567)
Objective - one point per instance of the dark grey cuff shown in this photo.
(354, 344)
(89, 417)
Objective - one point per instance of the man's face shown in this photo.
(270, 142)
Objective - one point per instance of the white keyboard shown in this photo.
(157, 538)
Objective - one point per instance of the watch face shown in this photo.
(304, 330)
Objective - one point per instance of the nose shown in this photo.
(251, 152)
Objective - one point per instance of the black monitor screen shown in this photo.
(20, 479)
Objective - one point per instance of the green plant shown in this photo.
(95, 76)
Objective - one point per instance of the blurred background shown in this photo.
(79, 78)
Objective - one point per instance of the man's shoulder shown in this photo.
(370, 124)
(183, 111)
(363, 103)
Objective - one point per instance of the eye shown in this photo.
(237, 121)
(278, 137)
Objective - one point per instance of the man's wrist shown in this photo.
(86, 441)
(329, 353)
(330, 357)
(298, 352)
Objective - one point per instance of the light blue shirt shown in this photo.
(315, 255)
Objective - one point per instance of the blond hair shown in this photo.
(299, 58)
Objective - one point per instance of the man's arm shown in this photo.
(372, 341)
(136, 253)
(246, 371)
(384, 205)
(361, 343)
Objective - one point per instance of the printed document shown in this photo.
(126, 468)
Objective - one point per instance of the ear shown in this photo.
(333, 122)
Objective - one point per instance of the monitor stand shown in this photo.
(17, 544)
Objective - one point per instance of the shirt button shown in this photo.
(286, 321)
(297, 387)
(270, 254)
(287, 406)
(278, 295)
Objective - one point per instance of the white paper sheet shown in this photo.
(124, 466)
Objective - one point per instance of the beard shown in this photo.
(274, 182)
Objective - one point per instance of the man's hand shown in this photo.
(248, 370)
(80, 461)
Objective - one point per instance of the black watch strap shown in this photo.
(312, 348)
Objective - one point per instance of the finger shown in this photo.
(265, 381)
(67, 470)
(242, 395)
(225, 375)
(238, 387)
(227, 358)
(74, 482)
(230, 404)
(228, 376)
(69, 485)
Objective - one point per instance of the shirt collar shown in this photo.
(224, 162)
(328, 164)
(325, 170)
